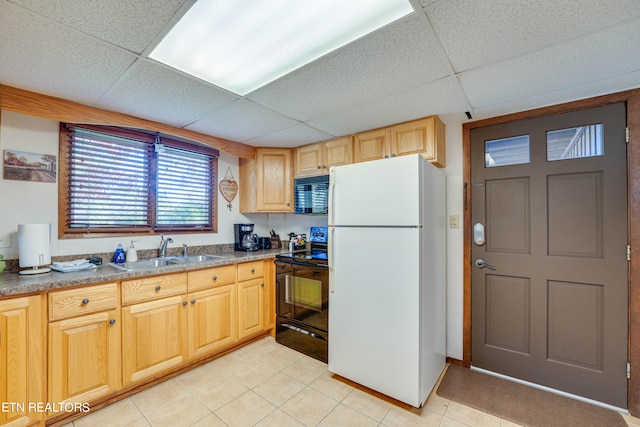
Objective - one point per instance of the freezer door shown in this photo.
(382, 192)
(374, 309)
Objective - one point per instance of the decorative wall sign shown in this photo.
(228, 188)
(22, 166)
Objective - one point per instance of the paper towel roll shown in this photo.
(33, 245)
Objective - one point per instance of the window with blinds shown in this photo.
(116, 180)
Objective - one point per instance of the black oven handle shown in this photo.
(303, 331)
(303, 264)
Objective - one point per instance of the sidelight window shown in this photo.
(115, 180)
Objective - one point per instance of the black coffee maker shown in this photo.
(246, 240)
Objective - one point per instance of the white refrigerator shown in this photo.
(387, 275)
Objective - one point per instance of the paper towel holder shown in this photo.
(34, 248)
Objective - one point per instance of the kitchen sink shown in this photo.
(194, 258)
(148, 264)
(145, 264)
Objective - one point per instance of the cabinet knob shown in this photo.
(386, 157)
(158, 288)
(324, 166)
(215, 278)
(85, 301)
(262, 284)
(193, 301)
(393, 155)
(318, 166)
(253, 270)
(112, 321)
(184, 303)
(288, 204)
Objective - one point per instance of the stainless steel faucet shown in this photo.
(184, 249)
(163, 245)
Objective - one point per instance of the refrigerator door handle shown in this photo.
(332, 185)
(332, 279)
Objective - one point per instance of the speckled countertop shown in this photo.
(13, 284)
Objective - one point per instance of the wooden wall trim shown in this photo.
(632, 99)
(62, 110)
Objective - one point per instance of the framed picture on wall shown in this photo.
(23, 166)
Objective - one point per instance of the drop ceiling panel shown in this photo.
(156, 92)
(597, 88)
(394, 59)
(294, 136)
(242, 120)
(129, 24)
(439, 97)
(594, 57)
(477, 33)
(42, 56)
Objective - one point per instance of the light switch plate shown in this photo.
(454, 221)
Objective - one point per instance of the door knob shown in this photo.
(480, 263)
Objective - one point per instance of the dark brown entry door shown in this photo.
(549, 281)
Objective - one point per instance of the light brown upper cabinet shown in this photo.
(425, 136)
(316, 159)
(266, 182)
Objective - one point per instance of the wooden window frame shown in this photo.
(64, 231)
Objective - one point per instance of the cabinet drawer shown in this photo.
(250, 270)
(151, 288)
(76, 302)
(212, 277)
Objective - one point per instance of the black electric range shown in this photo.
(302, 297)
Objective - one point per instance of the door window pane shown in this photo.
(575, 143)
(507, 151)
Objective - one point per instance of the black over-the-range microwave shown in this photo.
(311, 195)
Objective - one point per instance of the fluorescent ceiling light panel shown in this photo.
(241, 45)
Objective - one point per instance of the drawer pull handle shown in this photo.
(184, 303)
(253, 270)
(193, 301)
(215, 278)
(112, 321)
(85, 301)
(158, 288)
(262, 284)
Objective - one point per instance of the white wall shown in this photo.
(28, 202)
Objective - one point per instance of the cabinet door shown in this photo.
(212, 320)
(372, 145)
(424, 136)
(309, 160)
(337, 152)
(274, 180)
(21, 359)
(154, 337)
(84, 357)
(250, 307)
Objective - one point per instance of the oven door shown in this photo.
(303, 338)
(302, 293)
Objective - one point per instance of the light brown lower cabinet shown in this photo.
(250, 307)
(22, 359)
(212, 320)
(154, 337)
(84, 353)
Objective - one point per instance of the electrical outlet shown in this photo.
(5, 240)
(454, 221)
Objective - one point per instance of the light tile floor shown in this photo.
(266, 384)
